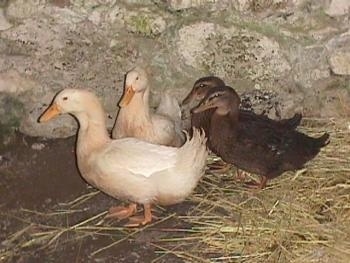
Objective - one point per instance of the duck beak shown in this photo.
(50, 113)
(128, 95)
(202, 107)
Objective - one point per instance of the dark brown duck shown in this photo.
(261, 149)
(202, 119)
(202, 87)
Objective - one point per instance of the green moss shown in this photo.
(142, 25)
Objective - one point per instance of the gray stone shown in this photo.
(231, 53)
(338, 8)
(276, 53)
(22, 9)
(4, 24)
(339, 54)
(309, 65)
(192, 39)
(210, 4)
(15, 84)
(340, 62)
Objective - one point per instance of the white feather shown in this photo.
(142, 158)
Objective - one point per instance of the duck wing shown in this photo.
(273, 151)
(136, 156)
(290, 123)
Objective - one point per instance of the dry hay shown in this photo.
(302, 216)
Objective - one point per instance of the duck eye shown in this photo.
(65, 98)
(201, 85)
(137, 78)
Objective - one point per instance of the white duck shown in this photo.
(129, 168)
(135, 118)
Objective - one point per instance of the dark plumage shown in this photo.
(202, 119)
(203, 86)
(267, 150)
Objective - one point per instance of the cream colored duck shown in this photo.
(135, 118)
(129, 168)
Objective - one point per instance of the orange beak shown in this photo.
(128, 94)
(50, 113)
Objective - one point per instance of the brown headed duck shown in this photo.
(135, 118)
(261, 149)
(201, 88)
(202, 119)
(129, 168)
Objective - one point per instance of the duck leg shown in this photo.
(141, 220)
(263, 182)
(219, 167)
(241, 175)
(122, 212)
(260, 185)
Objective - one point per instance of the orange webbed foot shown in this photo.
(260, 185)
(241, 175)
(219, 167)
(121, 212)
(136, 221)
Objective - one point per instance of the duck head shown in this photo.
(224, 99)
(136, 81)
(72, 101)
(201, 87)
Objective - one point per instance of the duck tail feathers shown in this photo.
(323, 140)
(193, 154)
(295, 120)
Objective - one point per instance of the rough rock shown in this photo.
(192, 41)
(339, 53)
(340, 62)
(13, 83)
(278, 54)
(21, 9)
(148, 24)
(231, 53)
(338, 8)
(218, 5)
(310, 65)
(4, 24)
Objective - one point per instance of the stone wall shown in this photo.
(282, 56)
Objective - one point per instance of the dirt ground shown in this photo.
(35, 183)
(49, 214)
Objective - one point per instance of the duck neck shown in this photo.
(137, 110)
(230, 118)
(92, 133)
(222, 128)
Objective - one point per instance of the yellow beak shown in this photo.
(50, 113)
(128, 94)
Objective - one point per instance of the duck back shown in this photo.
(262, 149)
(290, 123)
